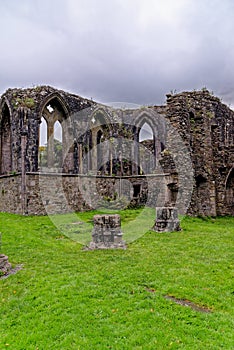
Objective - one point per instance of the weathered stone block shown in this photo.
(166, 220)
(5, 266)
(107, 232)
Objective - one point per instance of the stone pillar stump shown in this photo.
(166, 220)
(5, 266)
(107, 232)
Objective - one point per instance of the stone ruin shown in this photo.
(5, 266)
(107, 232)
(113, 152)
(167, 220)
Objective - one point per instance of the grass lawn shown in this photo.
(67, 298)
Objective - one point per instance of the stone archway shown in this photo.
(229, 192)
(146, 138)
(55, 115)
(99, 131)
(5, 144)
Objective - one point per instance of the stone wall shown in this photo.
(207, 128)
(10, 194)
(56, 193)
(192, 136)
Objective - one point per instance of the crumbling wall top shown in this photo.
(33, 98)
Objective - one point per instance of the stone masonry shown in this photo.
(110, 153)
(107, 232)
(5, 266)
(166, 220)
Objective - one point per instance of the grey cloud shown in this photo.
(130, 51)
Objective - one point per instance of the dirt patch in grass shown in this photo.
(188, 303)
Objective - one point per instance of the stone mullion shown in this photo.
(0, 151)
(157, 152)
(24, 137)
(111, 157)
(80, 155)
(135, 152)
(50, 144)
(94, 150)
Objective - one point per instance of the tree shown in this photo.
(58, 154)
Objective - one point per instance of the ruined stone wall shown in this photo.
(54, 193)
(205, 145)
(26, 107)
(10, 194)
(206, 126)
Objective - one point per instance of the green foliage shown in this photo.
(66, 298)
(115, 202)
(125, 131)
(24, 102)
(29, 102)
(209, 115)
(58, 154)
(166, 152)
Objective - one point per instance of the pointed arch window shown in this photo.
(146, 152)
(42, 154)
(53, 136)
(230, 191)
(146, 133)
(6, 149)
(58, 145)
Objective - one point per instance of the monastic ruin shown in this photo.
(180, 153)
(107, 233)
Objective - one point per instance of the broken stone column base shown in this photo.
(5, 266)
(107, 233)
(166, 220)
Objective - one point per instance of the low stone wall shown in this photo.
(10, 194)
(54, 193)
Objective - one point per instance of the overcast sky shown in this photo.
(132, 51)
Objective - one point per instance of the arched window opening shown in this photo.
(203, 195)
(57, 136)
(6, 151)
(54, 107)
(42, 154)
(147, 149)
(99, 131)
(230, 192)
(99, 150)
(58, 145)
(146, 133)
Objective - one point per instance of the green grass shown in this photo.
(67, 298)
(78, 226)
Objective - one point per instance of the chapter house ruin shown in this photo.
(179, 154)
